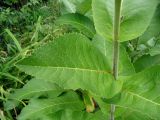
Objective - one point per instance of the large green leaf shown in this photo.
(78, 115)
(132, 115)
(121, 113)
(106, 48)
(70, 6)
(136, 16)
(140, 93)
(68, 114)
(73, 62)
(78, 21)
(146, 61)
(84, 7)
(153, 30)
(37, 107)
(73, 6)
(155, 50)
(34, 88)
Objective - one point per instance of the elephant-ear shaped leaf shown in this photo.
(73, 62)
(135, 17)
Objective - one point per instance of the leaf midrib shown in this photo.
(72, 68)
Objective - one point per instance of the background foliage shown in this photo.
(25, 25)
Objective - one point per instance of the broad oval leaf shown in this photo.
(84, 6)
(155, 50)
(68, 114)
(132, 115)
(136, 16)
(153, 29)
(73, 62)
(49, 106)
(78, 115)
(78, 21)
(146, 61)
(69, 6)
(34, 88)
(121, 113)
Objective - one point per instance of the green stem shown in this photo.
(116, 28)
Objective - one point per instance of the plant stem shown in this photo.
(116, 29)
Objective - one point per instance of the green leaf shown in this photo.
(106, 48)
(73, 62)
(136, 17)
(84, 7)
(78, 115)
(78, 21)
(132, 115)
(146, 61)
(155, 50)
(37, 107)
(154, 28)
(16, 42)
(34, 88)
(121, 113)
(141, 91)
(69, 6)
(38, 28)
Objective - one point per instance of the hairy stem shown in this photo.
(116, 28)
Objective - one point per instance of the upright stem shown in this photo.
(116, 28)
